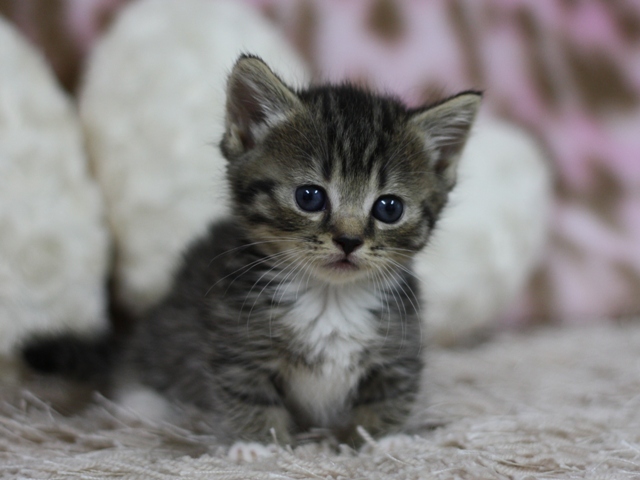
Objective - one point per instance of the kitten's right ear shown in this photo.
(257, 100)
(445, 127)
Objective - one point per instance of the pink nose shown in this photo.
(348, 244)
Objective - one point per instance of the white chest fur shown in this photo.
(334, 325)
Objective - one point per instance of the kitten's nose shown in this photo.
(348, 244)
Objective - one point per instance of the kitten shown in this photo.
(301, 310)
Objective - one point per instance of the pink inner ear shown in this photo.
(256, 98)
(449, 148)
(244, 111)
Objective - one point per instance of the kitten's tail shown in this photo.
(72, 356)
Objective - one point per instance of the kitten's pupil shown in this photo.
(388, 209)
(311, 198)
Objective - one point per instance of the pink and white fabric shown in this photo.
(568, 71)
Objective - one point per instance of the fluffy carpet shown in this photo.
(552, 403)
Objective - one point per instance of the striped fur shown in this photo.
(269, 323)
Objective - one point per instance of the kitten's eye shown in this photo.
(311, 198)
(387, 209)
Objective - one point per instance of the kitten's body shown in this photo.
(272, 347)
(301, 311)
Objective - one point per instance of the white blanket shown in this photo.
(555, 403)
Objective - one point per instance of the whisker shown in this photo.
(247, 245)
(417, 306)
(246, 268)
(291, 255)
(383, 293)
(304, 270)
(385, 272)
(297, 268)
(406, 270)
(396, 249)
(397, 289)
(307, 271)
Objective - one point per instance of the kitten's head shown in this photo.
(335, 180)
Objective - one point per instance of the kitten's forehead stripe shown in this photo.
(382, 175)
(325, 110)
(327, 168)
(359, 130)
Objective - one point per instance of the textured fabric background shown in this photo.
(567, 70)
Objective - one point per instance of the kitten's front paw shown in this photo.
(391, 444)
(250, 451)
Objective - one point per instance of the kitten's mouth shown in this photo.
(343, 265)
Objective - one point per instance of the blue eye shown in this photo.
(388, 209)
(311, 198)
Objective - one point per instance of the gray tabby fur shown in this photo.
(265, 326)
(260, 326)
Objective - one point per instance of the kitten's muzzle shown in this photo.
(348, 244)
(344, 265)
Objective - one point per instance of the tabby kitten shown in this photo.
(301, 309)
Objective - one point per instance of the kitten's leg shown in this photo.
(144, 402)
(261, 423)
(384, 400)
(249, 452)
(253, 409)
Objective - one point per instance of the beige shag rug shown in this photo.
(553, 403)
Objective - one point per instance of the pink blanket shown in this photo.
(568, 71)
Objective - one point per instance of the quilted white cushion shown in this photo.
(491, 235)
(53, 239)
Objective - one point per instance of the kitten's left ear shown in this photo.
(445, 128)
(257, 100)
